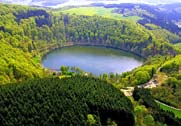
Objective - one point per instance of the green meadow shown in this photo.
(178, 45)
(98, 11)
(170, 109)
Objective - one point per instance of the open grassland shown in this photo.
(99, 11)
(178, 45)
(165, 107)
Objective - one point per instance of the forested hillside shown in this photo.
(37, 96)
(33, 30)
(17, 65)
(163, 33)
(144, 97)
(170, 91)
(71, 101)
(165, 16)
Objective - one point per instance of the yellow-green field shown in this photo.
(167, 108)
(99, 11)
(178, 45)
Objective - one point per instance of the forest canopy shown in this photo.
(33, 31)
(70, 101)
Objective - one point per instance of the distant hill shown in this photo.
(55, 3)
(175, 6)
(167, 16)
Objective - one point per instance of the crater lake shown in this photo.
(96, 60)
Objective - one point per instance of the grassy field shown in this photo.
(178, 45)
(167, 108)
(99, 11)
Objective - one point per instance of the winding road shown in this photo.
(154, 82)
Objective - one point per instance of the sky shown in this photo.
(125, 1)
(86, 2)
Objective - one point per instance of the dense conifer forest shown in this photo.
(51, 101)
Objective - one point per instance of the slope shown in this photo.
(70, 101)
